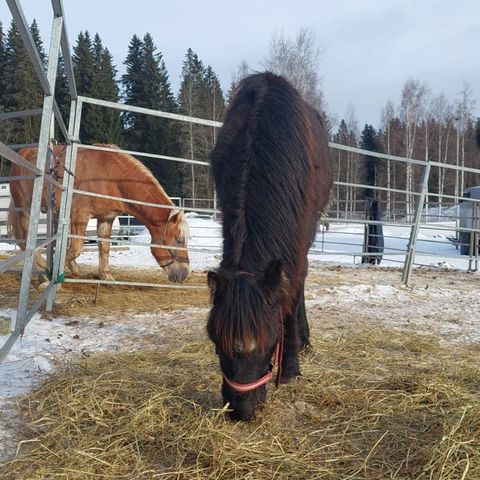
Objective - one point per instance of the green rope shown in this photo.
(60, 278)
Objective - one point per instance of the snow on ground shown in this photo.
(448, 310)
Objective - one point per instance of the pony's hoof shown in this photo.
(285, 380)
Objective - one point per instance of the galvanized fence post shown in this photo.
(58, 271)
(412, 243)
(23, 313)
(41, 160)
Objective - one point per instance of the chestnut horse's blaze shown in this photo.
(118, 175)
(273, 175)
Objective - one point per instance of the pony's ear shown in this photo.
(212, 280)
(273, 276)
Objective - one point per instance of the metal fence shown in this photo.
(26, 306)
(328, 243)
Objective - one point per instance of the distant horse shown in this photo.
(273, 174)
(108, 173)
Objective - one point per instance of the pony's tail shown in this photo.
(14, 229)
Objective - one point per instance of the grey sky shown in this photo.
(370, 47)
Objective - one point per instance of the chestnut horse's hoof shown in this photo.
(107, 276)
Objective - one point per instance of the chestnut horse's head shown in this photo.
(245, 326)
(173, 233)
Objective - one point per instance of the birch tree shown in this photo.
(464, 106)
(298, 61)
(412, 111)
(387, 115)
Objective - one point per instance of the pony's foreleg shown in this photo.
(302, 322)
(296, 337)
(75, 247)
(104, 230)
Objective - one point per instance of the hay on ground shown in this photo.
(372, 404)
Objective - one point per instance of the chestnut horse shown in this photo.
(273, 175)
(118, 175)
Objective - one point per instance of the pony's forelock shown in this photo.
(246, 318)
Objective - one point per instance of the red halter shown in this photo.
(248, 387)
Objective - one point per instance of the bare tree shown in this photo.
(297, 60)
(353, 164)
(412, 111)
(464, 117)
(388, 113)
(441, 111)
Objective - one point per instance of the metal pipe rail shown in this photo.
(20, 114)
(411, 161)
(14, 157)
(135, 284)
(146, 204)
(144, 154)
(149, 111)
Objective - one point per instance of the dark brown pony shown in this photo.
(118, 175)
(273, 174)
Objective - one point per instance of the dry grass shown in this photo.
(372, 404)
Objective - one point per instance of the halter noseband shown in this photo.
(248, 387)
(171, 253)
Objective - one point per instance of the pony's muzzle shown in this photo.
(177, 271)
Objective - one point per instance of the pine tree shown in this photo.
(83, 69)
(106, 123)
(62, 93)
(22, 89)
(146, 84)
(194, 139)
(2, 65)
(369, 141)
(95, 77)
(4, 125)
(133, 88)
(38, 41)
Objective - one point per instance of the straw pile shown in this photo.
(372, 404)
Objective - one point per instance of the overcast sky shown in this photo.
(370, 47)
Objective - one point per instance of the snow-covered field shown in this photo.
(441, 302)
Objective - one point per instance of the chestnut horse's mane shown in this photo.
(138, 165)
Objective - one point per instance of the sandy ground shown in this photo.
(442, 303)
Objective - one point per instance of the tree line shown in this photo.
(145, 83)
(422, 126)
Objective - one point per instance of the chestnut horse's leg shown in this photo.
(296, 336)
(20, 229)
(104, 230)
(75, 248)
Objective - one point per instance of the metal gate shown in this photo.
(57, 237)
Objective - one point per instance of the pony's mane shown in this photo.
(265, 166)
(265, 135)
